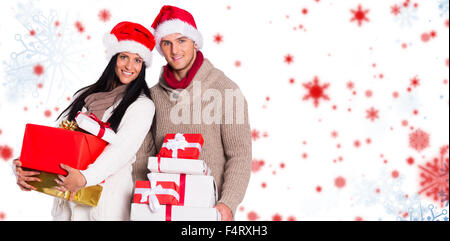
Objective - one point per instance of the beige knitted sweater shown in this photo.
(227, 149)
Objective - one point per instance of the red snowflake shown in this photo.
(252, 216)
(334, 134)
(339, 182)
(291, 218)
(395, 10)
(289, 59)
(255, 135)
(372, 114)
(433, 34)
(419, 140)
(6, 152)
(277, 217)
(38, 69)
(415, 81)
(350, 85)
(47, 113)
(425, 37)
(256, 165)
(79, 26)
(318, 189)
(218, 38)
(316, 91)
(104, 15)
(435, 176)
(359, 15)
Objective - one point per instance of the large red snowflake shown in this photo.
(372, 114)
(435, 176)
(419, 140)
(316, 91)
(359, 15)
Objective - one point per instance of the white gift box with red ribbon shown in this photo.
(194, 190)
(179, 145)
(178, 166)
(141, 212)
(93, 125)
(164, 193)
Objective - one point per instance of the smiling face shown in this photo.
(180, 53)
(128, 67)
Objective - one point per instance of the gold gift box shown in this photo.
(86, 196)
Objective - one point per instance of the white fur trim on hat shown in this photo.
(113, 47)
(177, 26)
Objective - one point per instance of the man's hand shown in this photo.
(73, 182)
(225, 212)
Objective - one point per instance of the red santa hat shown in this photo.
(130, 37)
(175, 20)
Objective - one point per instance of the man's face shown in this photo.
(179, 51)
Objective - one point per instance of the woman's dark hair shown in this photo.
(107, 81)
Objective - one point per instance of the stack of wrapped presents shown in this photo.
(180, 186)
(45, 148)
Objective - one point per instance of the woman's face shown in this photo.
(128, 67)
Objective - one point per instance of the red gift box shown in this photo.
(168, 194)
(45, 148)
(186, 146)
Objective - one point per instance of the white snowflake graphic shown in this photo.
(386, 192)
(407, 15)
(50, 43)
(443, 7)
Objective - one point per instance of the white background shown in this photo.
(259, 34)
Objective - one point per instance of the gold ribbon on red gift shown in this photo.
(69, 125)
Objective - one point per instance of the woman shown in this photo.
(120, 97)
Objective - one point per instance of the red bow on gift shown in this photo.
(103, 125)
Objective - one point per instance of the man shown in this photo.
(188, 83)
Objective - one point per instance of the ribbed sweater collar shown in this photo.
(201, 75)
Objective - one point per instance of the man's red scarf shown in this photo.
(169, 76)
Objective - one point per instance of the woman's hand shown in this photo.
(25, 176)
(225, 212)
(73, 182)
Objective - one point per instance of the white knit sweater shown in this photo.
(114, 166)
